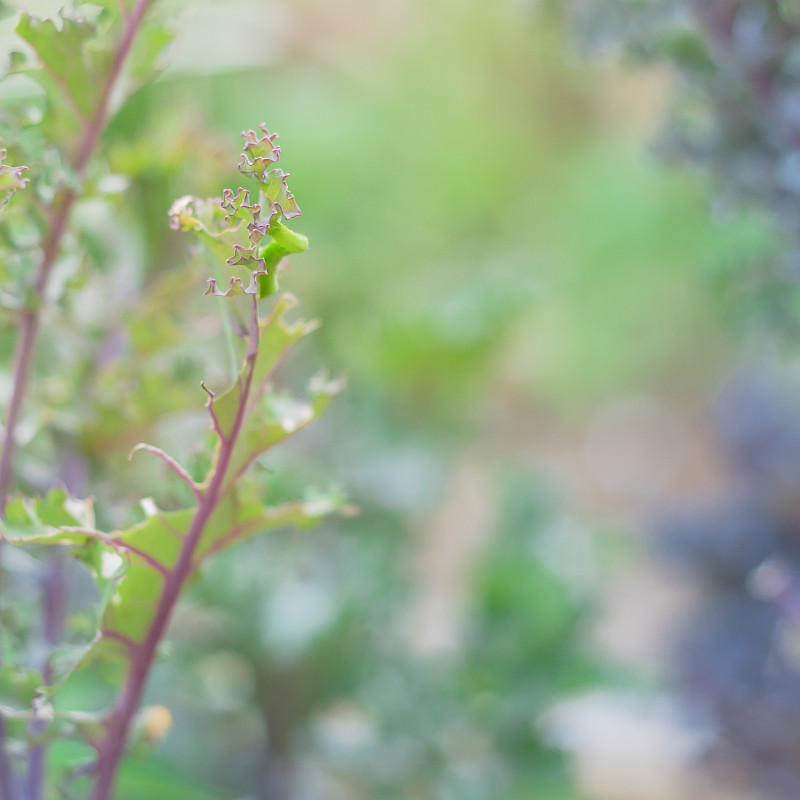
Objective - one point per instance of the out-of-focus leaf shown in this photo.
(11, 179)
(59, 724)
(235, 522)
(18, 687)
(73, 60)
(72, 56)
(42, 517)
(150, 43)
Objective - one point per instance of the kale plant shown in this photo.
(101, 615)
(738, 654)
(736, 108)
(734, 115)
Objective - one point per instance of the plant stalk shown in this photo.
(143, 654)
(53, 592)
(31, 317)
(30, 321)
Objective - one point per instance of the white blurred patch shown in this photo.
(297, 612)
(148, 505)
(110, 564)
(211, 35)
(344, 727)
(628, 748)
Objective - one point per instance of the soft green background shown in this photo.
(493, 252)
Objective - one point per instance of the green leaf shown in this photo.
(127, 565)
(259, 152)
(157, 540)
(223, 231)
(40, 519)
(72, 56)
(239, 207)
(148, 46)
(130, 565)
(279, 417)
(236, 224)
(235, 522)
(132, 606)
(276, 191)
(277, 336)
(11, 177)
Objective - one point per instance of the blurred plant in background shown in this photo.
(491, 260)
(328, 691)
(734, 115)
(739, 656)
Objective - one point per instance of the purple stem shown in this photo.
(171, 463)
(30, 319)
(121, 546)
(53, 600)
(7, 787)
(112, 747)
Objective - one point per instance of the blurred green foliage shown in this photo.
(461, 179)
(487, 242)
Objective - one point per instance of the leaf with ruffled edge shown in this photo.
(237, 223)
(276, 191)
(236, 286)
(72, 57)
(223, 230)
(238, 207)
(259, 152)
(245, 257)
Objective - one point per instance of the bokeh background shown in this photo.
(563, 387)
